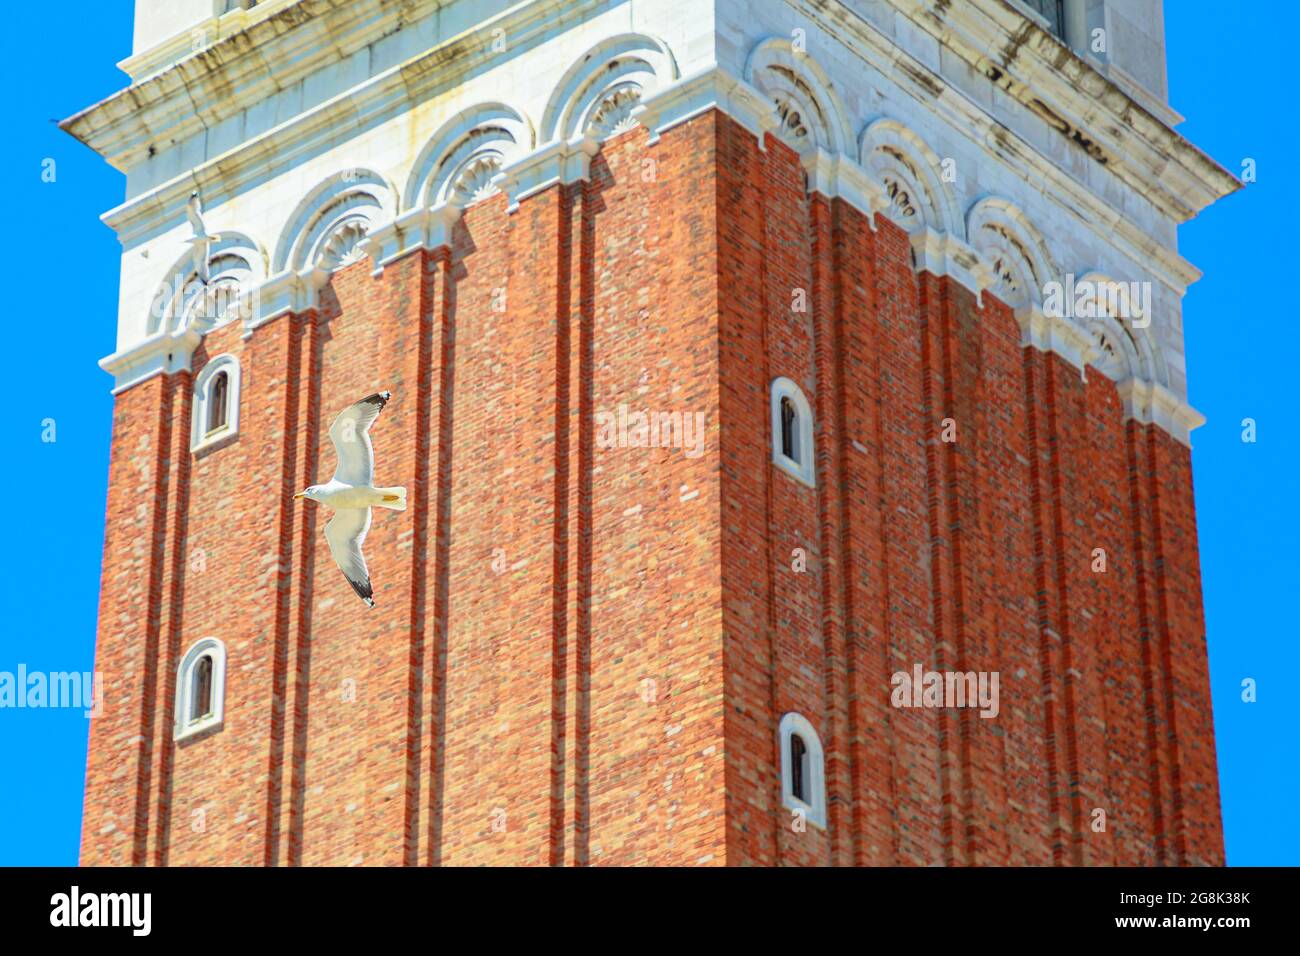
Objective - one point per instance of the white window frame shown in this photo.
(804, 470)
(200, 437)
(185, 725)
(814, 810)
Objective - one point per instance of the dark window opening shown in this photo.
(1053, 11)
(217, 397)
(789, 435)
(798, 768)
(202, 692)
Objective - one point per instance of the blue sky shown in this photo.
(1225, 75)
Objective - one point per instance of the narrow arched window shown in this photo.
(217, 412)
(200, 689)
(789, 424)
(216, 403)
(803, 774)
(792, 431)
(798, 768)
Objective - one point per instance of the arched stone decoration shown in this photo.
(597, 95)
(613, 114)
(471, 181)
(235, 267)
(1016, 253)
(909, 172)
(1114, 352)
(808, 112)
(341, 245)
(325, 230)
(461, 160)
(1119, 326)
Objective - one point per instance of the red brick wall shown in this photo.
(116, 815)
(971, 555)
(580, 654)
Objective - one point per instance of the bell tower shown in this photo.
(792, 403)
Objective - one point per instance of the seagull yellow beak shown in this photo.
(301, 494)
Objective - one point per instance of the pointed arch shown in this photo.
(597, 94)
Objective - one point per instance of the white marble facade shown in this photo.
(318, 131)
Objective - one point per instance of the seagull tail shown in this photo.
(394, 498)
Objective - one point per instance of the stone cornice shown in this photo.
(410, 81)
(415, 77)
(1047, 77)
(943, 254)
(559, 162)
(219, 81)
(932, 91)
(222, 80)
(157, 58)
(1130, 85)
(708, 88)
(832, 171)
(163, 353)
(1153, 404)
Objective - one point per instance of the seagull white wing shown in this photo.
(194, 213)
(351, 436)
(345, 533)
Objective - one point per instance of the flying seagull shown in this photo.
(351, 492)
(200, 240)
(194, 213)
